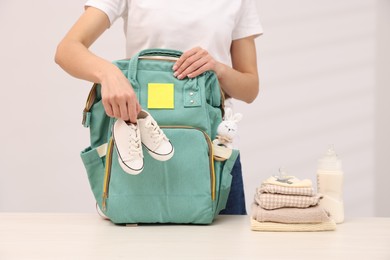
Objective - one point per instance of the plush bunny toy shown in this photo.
(227, 129)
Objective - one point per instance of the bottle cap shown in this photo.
(330, 161)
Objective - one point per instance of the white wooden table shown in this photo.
(87, 236)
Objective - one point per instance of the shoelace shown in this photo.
(135, 147)
(156, 133)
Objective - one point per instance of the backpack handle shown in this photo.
(133, 64)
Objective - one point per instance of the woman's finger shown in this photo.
(123, 109)
(116, 110)
(132, 111)
(184, 57)
(194, 69)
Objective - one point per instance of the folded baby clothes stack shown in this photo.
(288, 204)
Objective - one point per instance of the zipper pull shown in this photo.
(104, 203)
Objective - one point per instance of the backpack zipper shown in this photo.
(107, 173)
(110, 149)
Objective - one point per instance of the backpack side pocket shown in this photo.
(94, 165)
(224, 180)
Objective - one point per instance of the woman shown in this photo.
(222, 31)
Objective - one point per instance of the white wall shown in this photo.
(382, 107)
(317, 68)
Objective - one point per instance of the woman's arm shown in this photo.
(240, 82)
(118, 97)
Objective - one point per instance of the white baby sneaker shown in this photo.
(128, 145)
(153, 138)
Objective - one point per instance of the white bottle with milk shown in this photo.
(330, 184)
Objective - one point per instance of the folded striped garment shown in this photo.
(275, 201)
(286, 190)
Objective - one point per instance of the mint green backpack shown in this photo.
(191, 187)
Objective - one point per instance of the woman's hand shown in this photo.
(240, 81)
(73, 55)
(194, 62)
(119, 99)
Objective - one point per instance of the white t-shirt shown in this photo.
(183, 24)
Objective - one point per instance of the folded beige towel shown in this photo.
(290, 215)
(275, 201)
(288, 181)
(272, 226)
(277, 189)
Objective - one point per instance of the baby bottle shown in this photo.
(330, 184)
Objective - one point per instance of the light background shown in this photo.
(324, 77)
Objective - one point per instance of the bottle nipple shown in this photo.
(331, 152)
(283, 177)
(330, 161)
(282, 172)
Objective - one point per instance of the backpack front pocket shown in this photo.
(180, 190)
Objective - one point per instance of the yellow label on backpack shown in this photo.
(161, 96)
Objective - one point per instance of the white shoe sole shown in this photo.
(160, 157)
(127, 168)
